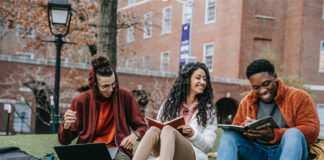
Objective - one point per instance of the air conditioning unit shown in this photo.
(191, 59)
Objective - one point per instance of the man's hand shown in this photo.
(69, 118)
(186, 130)
(129, 141)
(266, 134)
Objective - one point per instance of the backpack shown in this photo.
(14, 153)
(316, 151)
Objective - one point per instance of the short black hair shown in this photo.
(258, 66)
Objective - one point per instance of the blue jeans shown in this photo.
(235, 146)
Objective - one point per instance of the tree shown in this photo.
(292, 80)
(41, 82)
(107, 29)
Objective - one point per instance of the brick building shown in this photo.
(226, 35)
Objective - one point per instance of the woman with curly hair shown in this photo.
(192, 98)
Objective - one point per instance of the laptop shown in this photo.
(88, 151)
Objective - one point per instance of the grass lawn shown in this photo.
(40, 144)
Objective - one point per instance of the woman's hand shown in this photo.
(186, 130)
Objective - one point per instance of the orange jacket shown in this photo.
(296, 107)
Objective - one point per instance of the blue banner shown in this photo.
(185, 44)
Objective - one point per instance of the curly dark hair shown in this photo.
(102, 65)
(258, 66)
(180, 90)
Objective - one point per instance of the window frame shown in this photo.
(162, 61)
(213, 54)
(131, 2)
(163, 29)
(25, 55)
(129, 34)
(207, 11)
(321, 55)
(184, 13)
(323, 11)
(145, 35)
(318, 106)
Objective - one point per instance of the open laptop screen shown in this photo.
(97, 151)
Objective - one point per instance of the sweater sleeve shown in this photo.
(205, 141)
(241, 114)
(134, 115)
(65, 136)
(306, 120)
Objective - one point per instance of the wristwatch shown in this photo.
(138, 135)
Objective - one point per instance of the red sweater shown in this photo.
(296, 107)
(126, 114)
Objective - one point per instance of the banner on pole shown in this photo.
(185, 44)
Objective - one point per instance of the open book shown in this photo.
(174, 123)
(258, 124)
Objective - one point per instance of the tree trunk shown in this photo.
(107, 29)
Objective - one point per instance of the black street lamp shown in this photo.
(59, 14)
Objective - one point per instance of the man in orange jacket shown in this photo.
(292, 109)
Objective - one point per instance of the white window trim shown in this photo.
(145, 36)
(128, 39)
(320, 55)
(183, 13)
(163, 23)
(161, 61)
(204, 55)
(25, 54)
(206, 13)
(323, 11)
(130, 2)
(128, 63)
(146, 62)
(19, 27)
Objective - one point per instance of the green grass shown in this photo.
(40, 144)
(37, 144)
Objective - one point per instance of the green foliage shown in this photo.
(292, 80)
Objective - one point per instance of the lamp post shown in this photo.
(59, 14)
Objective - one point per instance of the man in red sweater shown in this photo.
(105, 113)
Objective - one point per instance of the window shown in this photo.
(147, 25)
(320, 110)
(186, 14)
(129, 63)
(321, 63)
(22, 118)
(323, 10)
(166, 20)
(165, 61)
(130, 34)
(146, 62)
(25, 55)
(209, 55)
(131, 2)
(25, 31)
(210, 14)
